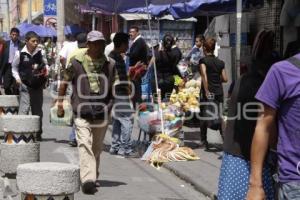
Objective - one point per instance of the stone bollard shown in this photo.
(1, 188)
(47, 180)
(19, 144)
(9, 105)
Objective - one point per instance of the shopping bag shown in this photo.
(66, 120)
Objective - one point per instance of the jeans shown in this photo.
(121, 134)
(72, 136)
(289, 191)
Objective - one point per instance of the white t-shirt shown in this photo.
(68, 48)
(109, 48)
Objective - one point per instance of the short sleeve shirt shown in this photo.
(93, 68)
(281, 91)
(214, 67)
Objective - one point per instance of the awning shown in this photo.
(198, 7)
(119, 6)
(133, 16)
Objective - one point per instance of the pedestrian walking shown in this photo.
(213, 74)
(30, 72)
(12, 46)
(280, 95)
(81, 39)
(235, 169)
(92, 76)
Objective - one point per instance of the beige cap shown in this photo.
(94, 36)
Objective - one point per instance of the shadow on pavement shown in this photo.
(106, 183)
(55, 140)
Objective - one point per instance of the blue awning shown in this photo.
(212, 7)
(118, 6)
(177, 8)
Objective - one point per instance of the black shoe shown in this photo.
(89, 187)
(97, 183)
(39, 138)
(73, 143)
(205, 145)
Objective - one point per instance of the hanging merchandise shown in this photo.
(166, 149)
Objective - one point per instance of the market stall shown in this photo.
(165, 148)
(182, 29)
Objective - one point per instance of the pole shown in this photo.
(60, 20)
(238, 37)
(60, 27)
(94, 21)
(158, 91)
(8, 15)
(29, 11)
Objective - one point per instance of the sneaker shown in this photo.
(73, 143)
(113, 152)
(89, 187)
(132, 154)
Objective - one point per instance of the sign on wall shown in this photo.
(50, 8)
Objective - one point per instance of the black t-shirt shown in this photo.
(214, 67)
(121, 89)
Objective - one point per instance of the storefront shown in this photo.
(181, 29)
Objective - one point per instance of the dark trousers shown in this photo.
(204, 124)
(9, 82)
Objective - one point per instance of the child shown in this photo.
(30, 72)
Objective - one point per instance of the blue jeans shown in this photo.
(72, 135)
(289, 191)
(121, 134)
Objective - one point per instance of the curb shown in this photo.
(200, 188)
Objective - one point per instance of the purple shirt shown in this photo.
(281, 91)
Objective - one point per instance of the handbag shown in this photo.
(212, 113)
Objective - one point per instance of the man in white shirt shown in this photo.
(68, 47)
(109, 48)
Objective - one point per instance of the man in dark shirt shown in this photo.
(138, 53)
(12, 46)
(123, 108)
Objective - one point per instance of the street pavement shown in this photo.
(122, 178)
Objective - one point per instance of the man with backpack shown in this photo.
(29, 70)
(280, 95)
(92, 76)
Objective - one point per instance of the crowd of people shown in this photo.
(106, 80)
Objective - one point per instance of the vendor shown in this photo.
(195, 55)
(166, 66)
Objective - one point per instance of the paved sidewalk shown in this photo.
(202, 174)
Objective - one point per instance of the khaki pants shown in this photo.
(90, 144)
